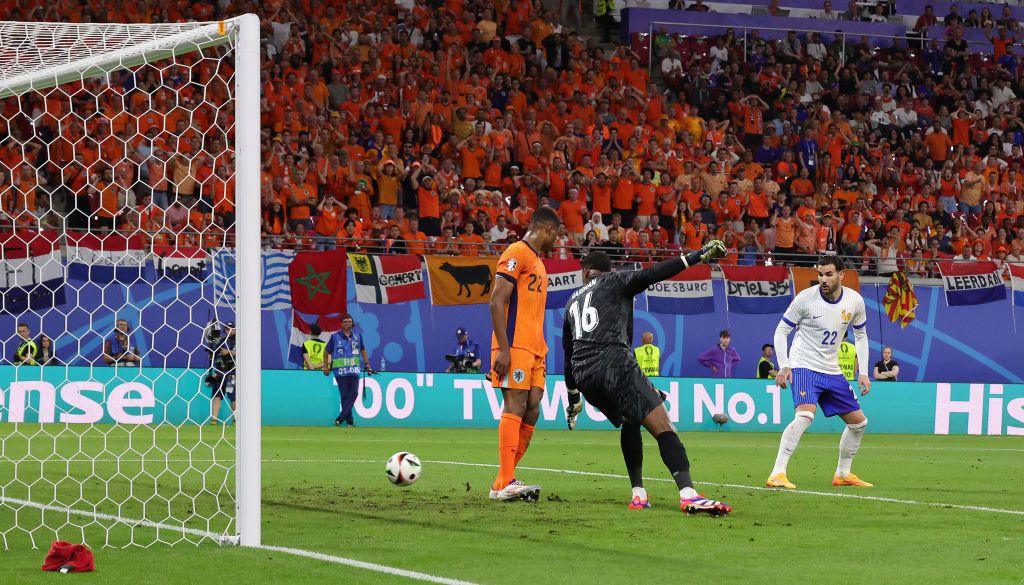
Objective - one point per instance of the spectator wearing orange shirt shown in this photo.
(471, 243)
(574, 213)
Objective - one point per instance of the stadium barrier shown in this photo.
(78, 395)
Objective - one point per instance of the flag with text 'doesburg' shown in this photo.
(460, 281)
(387, 279)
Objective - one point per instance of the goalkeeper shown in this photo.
(596, 338)
(221, 378)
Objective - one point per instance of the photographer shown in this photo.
(220, 342)
(465, 359)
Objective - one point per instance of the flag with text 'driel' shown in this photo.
(757, 289)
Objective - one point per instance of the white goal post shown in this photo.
(38, 56)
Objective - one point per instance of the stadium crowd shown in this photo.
(438, 127)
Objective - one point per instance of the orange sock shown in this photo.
(508, 444)
(525, 435)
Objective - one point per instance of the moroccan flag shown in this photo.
(900, 301)
(387, 279)
(972, 283)
(317, 282)
(808, 277)
(460, 281)
(564, 277)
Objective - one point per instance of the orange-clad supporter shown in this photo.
(471, 243)
(601, 195)
(574, 214)
(518, 348)
(416, 242)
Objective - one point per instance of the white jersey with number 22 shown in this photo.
(821, 326)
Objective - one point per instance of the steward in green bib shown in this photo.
(848, 360)
(648, 356)
(27, 351)
(765, 367)
(313, 350)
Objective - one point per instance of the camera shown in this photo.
(462, 364)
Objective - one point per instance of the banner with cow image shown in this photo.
(460, 281)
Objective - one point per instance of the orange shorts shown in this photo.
(524, 372)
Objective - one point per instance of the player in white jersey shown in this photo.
(821, 316)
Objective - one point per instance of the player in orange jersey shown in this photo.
(518, 348)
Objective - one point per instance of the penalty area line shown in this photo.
(710, 483)
(758, 488)
(225, 539)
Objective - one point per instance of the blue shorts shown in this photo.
(832, 392)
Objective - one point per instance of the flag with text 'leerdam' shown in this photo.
(900, 300)
(756, 289)
(564, 277)
(460, 281)
(972, 283)
(387, 279)
(687, 293)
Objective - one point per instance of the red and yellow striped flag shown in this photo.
(900, 301)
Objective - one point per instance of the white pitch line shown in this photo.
(715, 484)
(364, 565)
(758, 488)
(550, 442)
(224, 539)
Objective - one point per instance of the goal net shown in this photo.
(129, 271)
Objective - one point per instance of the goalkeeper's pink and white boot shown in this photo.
(699, 504)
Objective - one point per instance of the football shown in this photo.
(403, 469)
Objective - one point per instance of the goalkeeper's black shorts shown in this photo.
(612, 382)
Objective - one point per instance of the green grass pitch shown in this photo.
(325, 491)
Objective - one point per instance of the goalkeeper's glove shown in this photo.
(712, 250)
(370, 371)
(574, 408)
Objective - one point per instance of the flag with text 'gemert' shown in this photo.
(687, 293)
(31, 273)
(1017, 282)
(105, 258)
(972, 283)
(900, 301)
(757, 289)
(564, 277)
(387, 279)
(456, 280)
